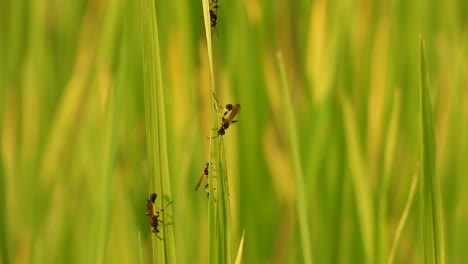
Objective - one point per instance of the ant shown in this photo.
(213, 15)
(226, 122)
(204, 173)
(154, 218)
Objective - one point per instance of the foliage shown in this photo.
(318, 167)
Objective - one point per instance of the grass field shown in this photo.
(350, 145)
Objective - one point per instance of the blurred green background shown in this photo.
(73, 163)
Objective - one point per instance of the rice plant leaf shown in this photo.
(156, 129)
(301, 200)
(3, 241)
(388, 167)
(223, 206)
(241, 249)
(359, 174)
(404, 216)
(431, 205)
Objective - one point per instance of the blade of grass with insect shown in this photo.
(404, 216)
(218, 206)
(156, 129)
(301, 205)
(206, 19)
(433, 243)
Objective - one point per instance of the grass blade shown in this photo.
(301, 206)
(222, 206)
(359, 174)
(388, 166)
(206, 19)
(404, 216)
(3, 228)
(219, 212)
(241, 249)
(431, 205)
(156, 129)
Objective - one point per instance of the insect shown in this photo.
(205, 173)
(214, 15)
(226, 122)
(154, 214)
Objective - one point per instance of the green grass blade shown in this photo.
(359, 176)
(219, 215)
(404, 216)
(223, 206)
(433, 243)
(111, 121)
(206, 19)
(301, 200)
(3, 194)
(140, 248)
(213, 222)
(156, 130)
(241, 249)
(3, 228)
(388, 165)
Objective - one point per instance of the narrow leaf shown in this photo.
(431, 205)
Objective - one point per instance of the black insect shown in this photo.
(205, 173)
(154, 214)
(226, 122)
(214, 15)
